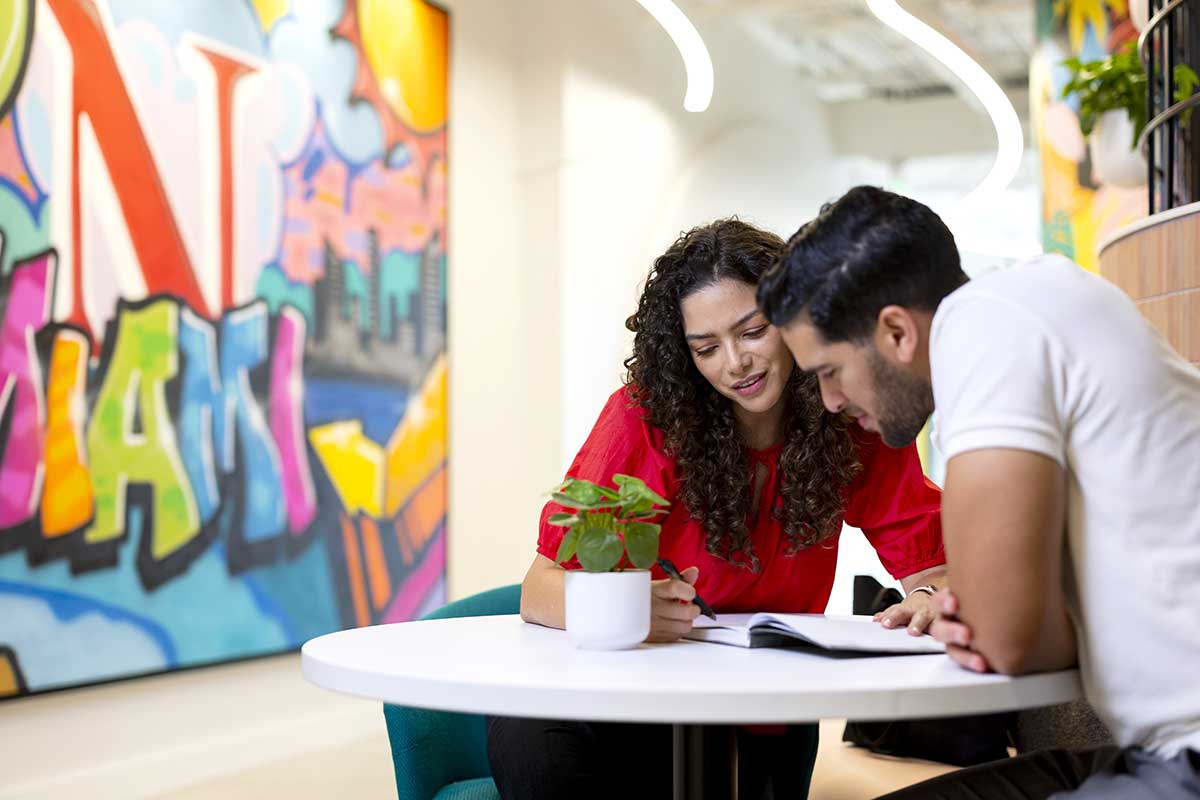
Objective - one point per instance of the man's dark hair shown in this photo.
(867, 250)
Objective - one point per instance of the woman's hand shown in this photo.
(916, 611)
(671, 606)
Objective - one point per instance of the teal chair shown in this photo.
(439, 755)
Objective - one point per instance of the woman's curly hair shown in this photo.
(818, 459)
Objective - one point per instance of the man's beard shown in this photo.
(904, 402)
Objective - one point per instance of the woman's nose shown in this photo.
(737, 360)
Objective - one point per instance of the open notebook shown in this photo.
(833, 635)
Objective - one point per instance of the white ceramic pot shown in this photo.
(608, 610)
(1114, 162)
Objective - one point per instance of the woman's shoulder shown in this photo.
(624, 413)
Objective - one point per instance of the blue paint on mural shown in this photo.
(379, 406)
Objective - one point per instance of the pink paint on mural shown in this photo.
(287, 420)
(331, 201)
(417, 586)
(12, 165)
(27, 311)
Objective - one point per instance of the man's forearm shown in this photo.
(1052, 647)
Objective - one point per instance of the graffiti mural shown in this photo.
(222, 328)
(1078, 210)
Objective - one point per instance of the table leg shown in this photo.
(704, 760)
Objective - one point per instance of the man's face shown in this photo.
(856, 379)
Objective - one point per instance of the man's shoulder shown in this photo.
(1027, 290)
(1021, 278)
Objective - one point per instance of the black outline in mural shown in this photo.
(7, 103)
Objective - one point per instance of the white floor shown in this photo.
(362, 769)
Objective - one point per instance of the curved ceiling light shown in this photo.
(1010, 140)
(695, 55)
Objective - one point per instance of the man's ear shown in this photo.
(897, 334)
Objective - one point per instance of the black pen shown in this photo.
(669, 568)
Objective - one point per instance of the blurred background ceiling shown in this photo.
(850, 55)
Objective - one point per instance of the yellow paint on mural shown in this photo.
(406, 43)
(354, 464)
(1062, 194)
(418, 446)
(9, 685)
(269, 12)
(1081, 12)
(67, 498)
(1083, 225)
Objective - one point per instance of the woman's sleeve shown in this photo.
(897, 507)
(621, 441)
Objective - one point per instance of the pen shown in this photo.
(669, 568)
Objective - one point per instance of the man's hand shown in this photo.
(915, 611)
(952, 632)
(671, 606)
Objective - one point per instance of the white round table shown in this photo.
(505, 667)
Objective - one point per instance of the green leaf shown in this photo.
(1115, 83)
(599, 548)
(636, 487)
(566, 548)
(1185, 82)
(651, 512)
(580, 491)
(636, 506)
(570, 502)
(563, 520)
(641, 543)
(1185, 86)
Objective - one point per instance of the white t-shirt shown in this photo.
(1047, 357)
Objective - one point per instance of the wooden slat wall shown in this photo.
(1159, 267)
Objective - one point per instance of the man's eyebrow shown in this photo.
(744, 319)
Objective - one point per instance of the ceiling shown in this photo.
(850, 55)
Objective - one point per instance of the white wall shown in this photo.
(604, 169)
(503, 351)
(637, 170)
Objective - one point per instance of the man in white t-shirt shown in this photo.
(1071, 511)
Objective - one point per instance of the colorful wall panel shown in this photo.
(1078, 211)
(222, 328)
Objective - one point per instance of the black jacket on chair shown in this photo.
(961, 741)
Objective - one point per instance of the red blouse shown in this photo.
(891, 501)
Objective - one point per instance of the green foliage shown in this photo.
(1118, 83)
(608, 528)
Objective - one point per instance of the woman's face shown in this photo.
(734, 347)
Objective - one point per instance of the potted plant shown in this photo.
(611, 532)
(1112, 111)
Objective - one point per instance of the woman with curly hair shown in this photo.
(716, 418)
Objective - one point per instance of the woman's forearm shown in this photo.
(543, 592)
(934, 576)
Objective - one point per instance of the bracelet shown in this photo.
(929, 590)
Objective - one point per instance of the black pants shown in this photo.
(532, 759)
(1105, 773)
